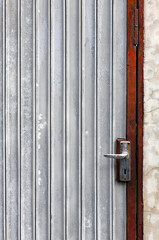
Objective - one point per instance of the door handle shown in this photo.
(117, 156)
(125, 160)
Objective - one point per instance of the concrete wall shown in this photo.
(151, 120)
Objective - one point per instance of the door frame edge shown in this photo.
(134, 122)
(140, 115)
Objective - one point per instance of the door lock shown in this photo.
(124, 160)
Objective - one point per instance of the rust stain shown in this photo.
(131, 120)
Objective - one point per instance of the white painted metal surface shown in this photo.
(63, 104)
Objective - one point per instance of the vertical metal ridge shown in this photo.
(49, 119)
(111, 119)
(112, 129)
(89, 98)
(58, 119)
(65, 122)
(119, 110)
(96, 71)
(80, 120)
(42, 119)
(34, 120)
(96, 121)
(72, 114)
(4, 118)
(82, 116)
(12, 118)
(19, 119)
(64, 119)
(26, 119)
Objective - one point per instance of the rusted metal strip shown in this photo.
(131, 120)
(136, 27)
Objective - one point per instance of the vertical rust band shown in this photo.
(135, 117)
(131, 119)
(136, 27)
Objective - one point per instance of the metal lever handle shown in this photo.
(117, 156)
(124, 165)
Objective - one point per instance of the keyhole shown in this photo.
(125, 171)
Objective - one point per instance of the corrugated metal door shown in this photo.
(63, 104)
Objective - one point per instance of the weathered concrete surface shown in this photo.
(151, 120)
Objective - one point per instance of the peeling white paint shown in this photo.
(39, 181)
(86, 132)
(40, 126)
(87, 223)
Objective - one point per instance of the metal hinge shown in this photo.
(136, 27)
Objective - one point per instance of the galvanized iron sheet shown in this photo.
(63, 104)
